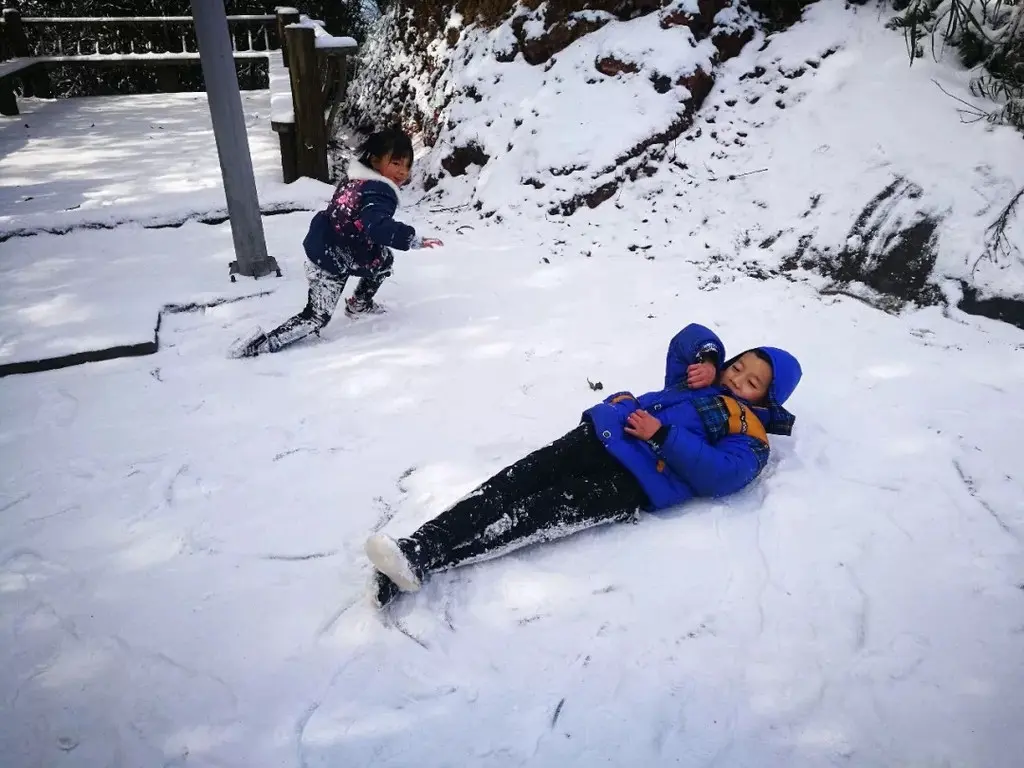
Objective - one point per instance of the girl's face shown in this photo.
(392, 169)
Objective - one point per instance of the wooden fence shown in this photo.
(307, 67)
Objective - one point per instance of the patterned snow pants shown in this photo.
(325, 291)
(565, 487)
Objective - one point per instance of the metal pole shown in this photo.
(225, 101)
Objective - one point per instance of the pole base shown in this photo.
(262, 269)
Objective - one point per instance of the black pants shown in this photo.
(325, 291)
(565, 487)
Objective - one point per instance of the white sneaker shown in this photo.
(389, 559)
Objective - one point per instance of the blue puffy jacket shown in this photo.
(716, 443)
(351, 236)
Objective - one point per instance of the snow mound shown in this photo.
(557, 104)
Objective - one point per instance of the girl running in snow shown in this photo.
(353, 236)
(704, 434)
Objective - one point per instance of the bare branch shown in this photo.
(973, 113)
(996, 241)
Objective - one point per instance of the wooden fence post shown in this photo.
(307, 102)
(41, 82)
(36, 79)
(285, 16)
(289, 160)
(342, 77)
(17, 43)
(167, 79)
(5, 52)
(339, 65)
(166, 76)
(8, 101)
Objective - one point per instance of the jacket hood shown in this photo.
(786, 374)
(359, 172)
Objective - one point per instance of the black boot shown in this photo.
(384, 590)
(254, 344)
(361, 302)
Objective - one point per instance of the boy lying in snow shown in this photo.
(704, 434)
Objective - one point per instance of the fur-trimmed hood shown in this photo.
(359, 172)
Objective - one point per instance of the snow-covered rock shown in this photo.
(535, 99)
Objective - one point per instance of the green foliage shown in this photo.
(974, 49)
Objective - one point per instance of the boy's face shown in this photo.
(748, 377)
(392, 169)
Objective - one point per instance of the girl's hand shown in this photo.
(431, 242)
(701, 375)
(642, 425)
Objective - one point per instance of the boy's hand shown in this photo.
(431, 242)
(642, 425)
(701, 375)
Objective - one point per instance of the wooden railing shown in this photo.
(317, 65)
(164, 45)
(85, 36)
(307, 82)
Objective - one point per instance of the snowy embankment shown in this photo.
(181, 569)
(820, 146)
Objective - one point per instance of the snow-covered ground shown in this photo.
(108, 170)
(181, 572)
(76, 162)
